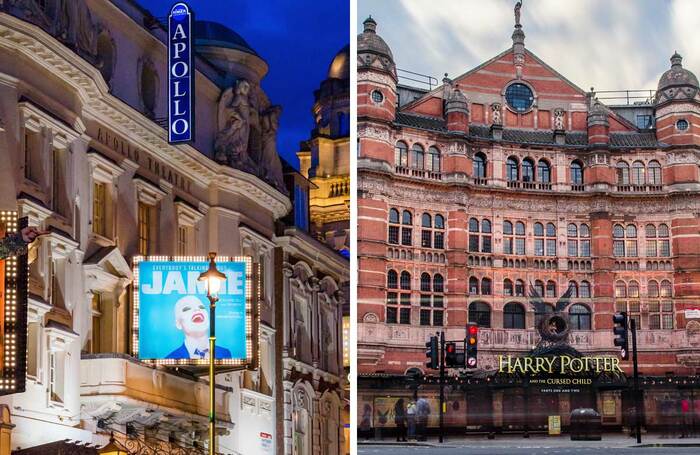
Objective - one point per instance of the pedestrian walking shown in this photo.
(422, 413)
(411, 418)
(400, 420)
(685, 416)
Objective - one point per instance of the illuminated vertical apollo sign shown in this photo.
(180, 74)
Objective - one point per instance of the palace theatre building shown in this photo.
(506, 178)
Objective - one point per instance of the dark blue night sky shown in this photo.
(297, 38)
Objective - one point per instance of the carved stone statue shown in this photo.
(496, 113)
(74, 25)
(270, 163)
(558, 119)
(517, 13)
(231, 143)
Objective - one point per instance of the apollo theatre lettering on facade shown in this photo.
(506, 179)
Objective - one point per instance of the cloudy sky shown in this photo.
(609, 45)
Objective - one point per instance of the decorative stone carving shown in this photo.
(558, 119)
(247, 134)
(374, 133)
(496, 114)
(370, 318)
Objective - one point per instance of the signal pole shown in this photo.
(637, 410)
(442, 383)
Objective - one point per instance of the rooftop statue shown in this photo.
(517, 13)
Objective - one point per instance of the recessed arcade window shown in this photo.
(519, 97)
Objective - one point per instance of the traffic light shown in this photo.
(472, 343)
(432, 353)
(453, 358)
(620, 331)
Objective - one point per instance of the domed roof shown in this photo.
(678, 77)
(209, 33)
(340, 65)
(369, 41)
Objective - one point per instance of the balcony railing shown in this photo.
(418, 173)
(481, 181)
(579, 187)
(339, 189)
(639, 188)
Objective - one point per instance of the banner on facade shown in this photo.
(554, 425)
(180, 74)
(171, 311)
(13, 311)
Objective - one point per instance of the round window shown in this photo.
(377, 96)
(682, 124)
(519, 97)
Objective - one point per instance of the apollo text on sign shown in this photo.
(180, 75)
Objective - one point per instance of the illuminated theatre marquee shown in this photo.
(561, 365)
(13, 311)
(171, 311)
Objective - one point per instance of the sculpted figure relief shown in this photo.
(247, 133)
(231, 143)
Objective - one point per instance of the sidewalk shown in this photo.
(539, 441)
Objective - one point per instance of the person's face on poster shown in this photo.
(191, 317)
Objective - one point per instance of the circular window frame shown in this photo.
(379, 92)
(685, 122)
(533, 105)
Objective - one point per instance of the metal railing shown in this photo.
(626, 97)
(422, 79)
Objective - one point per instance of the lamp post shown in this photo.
(213, 278)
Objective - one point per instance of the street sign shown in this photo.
(180, 74)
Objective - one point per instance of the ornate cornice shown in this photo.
(17, 36)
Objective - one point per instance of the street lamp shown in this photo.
(213, 279)
(113, 448)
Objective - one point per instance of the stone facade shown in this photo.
(85, 156)
(509, 176)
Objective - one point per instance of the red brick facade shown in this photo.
(606, 207)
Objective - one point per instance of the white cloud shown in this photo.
(623, 44)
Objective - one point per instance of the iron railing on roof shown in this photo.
(422, 79)
(626, 97)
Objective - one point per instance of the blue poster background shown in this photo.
(163, 284)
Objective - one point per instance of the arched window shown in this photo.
(631, 231)
(633, 290)
(439, 222)
(543, 173)
(473, 225)
(394, 230)
(417, 156)
(405, 280)
(427, 221)
(438, 283)
(666, 289)
(406, 229)
(620, 289)
(650, 230)
(623, 173)
(473, 285)
(551, 289)
(576, 171)
(548, 309)
(480, 314)
(638, 177)
(551, 230)
(512, 173)
(406, 218)
(513, 316)
(580, 317)
(539, 287)
(585, 290)
(433, 162)
(392, 279)
(585, 231)
(663, 230)
(425, 282)
(485, 226)
(572, 230)
(653, 289)
(106, 53)
(401, 154)
(654, 173)
(507, 228)
(618, 231)
(539, 230)
(519, 288)
(507, 287)
(528, 170)
(479, 165)
(573, 286)
(485, 286)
